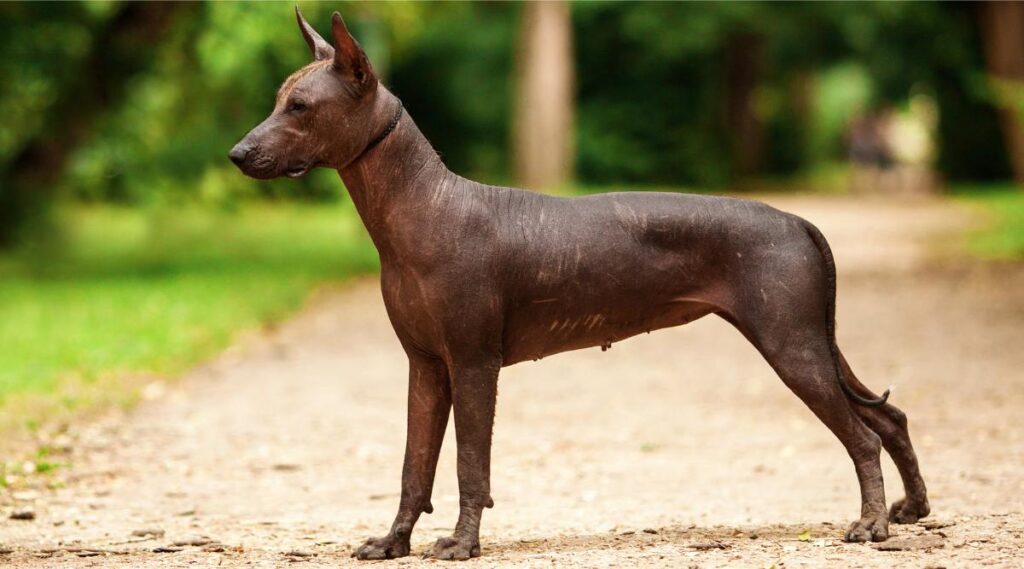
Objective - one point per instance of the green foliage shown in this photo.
(455, 77)
(640, 113)
(840, 89)
(1002, 237)
(43, 43)
(213, 78)
(155, 291)
(651, 88)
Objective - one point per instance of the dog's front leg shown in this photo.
(430, 404)
(474, 390)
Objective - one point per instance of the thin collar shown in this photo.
(387, 130)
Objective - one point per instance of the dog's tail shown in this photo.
(830, 299)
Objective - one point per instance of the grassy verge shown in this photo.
(1003, 237)
(124, 293)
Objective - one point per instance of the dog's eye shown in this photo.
(296, 107)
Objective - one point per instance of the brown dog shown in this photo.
(478, 277)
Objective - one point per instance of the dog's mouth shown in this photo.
(266, 167)
(297, 171)
(259, 166)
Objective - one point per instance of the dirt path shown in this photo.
(675, 449)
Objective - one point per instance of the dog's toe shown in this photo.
(456, 549)
(868, 528)
(387, 547)
(906, 511)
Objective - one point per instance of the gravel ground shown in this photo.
(675, 449)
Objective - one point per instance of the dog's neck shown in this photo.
(396, 180)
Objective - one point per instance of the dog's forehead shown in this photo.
(296, 79)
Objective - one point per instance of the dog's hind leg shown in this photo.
(805, 365)
(788, 325)
(810, 373)
(891, 426)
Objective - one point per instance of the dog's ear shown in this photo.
(349, 57)
(321, 49)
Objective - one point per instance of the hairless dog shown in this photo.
(478, 277)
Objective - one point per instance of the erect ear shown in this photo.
(321, 49)
(349, 57)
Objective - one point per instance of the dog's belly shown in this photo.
(547, 328)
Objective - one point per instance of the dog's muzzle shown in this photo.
(254, 163)
(238, 154)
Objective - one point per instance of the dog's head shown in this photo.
(323, 112)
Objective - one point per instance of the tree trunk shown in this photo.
(544, 100)
(801, 97)
(743, 74)
(1002, 25)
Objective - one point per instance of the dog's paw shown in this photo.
(868, 528)
(456, 548)
(387, 547)
(908, 512)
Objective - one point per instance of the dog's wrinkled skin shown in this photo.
(477, 277)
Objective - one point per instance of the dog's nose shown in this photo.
(238, 154)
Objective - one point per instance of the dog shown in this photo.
(477, 277)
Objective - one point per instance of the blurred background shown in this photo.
(130, 245)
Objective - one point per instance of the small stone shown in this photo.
(152, 532)
(932, 525)
(706, 545)
(26, 514)
(912, 544)
(167, 549)
(299, 553)
(215, 548)
(651, 531)
(198, 541)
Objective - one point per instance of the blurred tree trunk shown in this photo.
(123, 46)
(1002, 25)
(743, 74)
(544, 100)
(801, 97)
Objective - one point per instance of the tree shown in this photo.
(1002, 25)
(743, 76)
(544, 100)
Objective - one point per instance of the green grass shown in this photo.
(1003, 237)
(120, 293)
